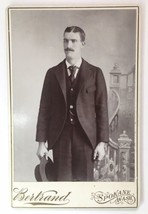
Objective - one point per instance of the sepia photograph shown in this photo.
(74, 103)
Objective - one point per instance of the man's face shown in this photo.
(72, 45)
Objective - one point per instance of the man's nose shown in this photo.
(69, 44)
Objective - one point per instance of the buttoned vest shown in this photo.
(72, 93)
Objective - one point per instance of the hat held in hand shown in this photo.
(45, 170)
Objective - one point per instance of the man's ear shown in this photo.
(83, 43)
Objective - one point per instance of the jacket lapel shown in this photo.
(61, 77)
(85, 74)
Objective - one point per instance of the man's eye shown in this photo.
(73, 40)
(65, 40)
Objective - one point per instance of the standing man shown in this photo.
(73, 114)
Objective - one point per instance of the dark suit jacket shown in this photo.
(91, 105)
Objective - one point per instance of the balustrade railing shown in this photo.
(116, 164)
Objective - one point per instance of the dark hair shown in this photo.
(76, 29)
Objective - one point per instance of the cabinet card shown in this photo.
(74, 141)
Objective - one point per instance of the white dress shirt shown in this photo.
(77, 64)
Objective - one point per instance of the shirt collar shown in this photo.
(77, 64)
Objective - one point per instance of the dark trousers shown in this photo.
(73, 155)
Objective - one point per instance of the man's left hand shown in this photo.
(99, 152)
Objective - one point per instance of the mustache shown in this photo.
(69, 49)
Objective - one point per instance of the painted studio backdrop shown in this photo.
(37, 44)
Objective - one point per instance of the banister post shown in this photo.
(124, 157)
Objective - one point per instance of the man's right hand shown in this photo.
(42, 150)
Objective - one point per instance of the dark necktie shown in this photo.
(72, 72)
